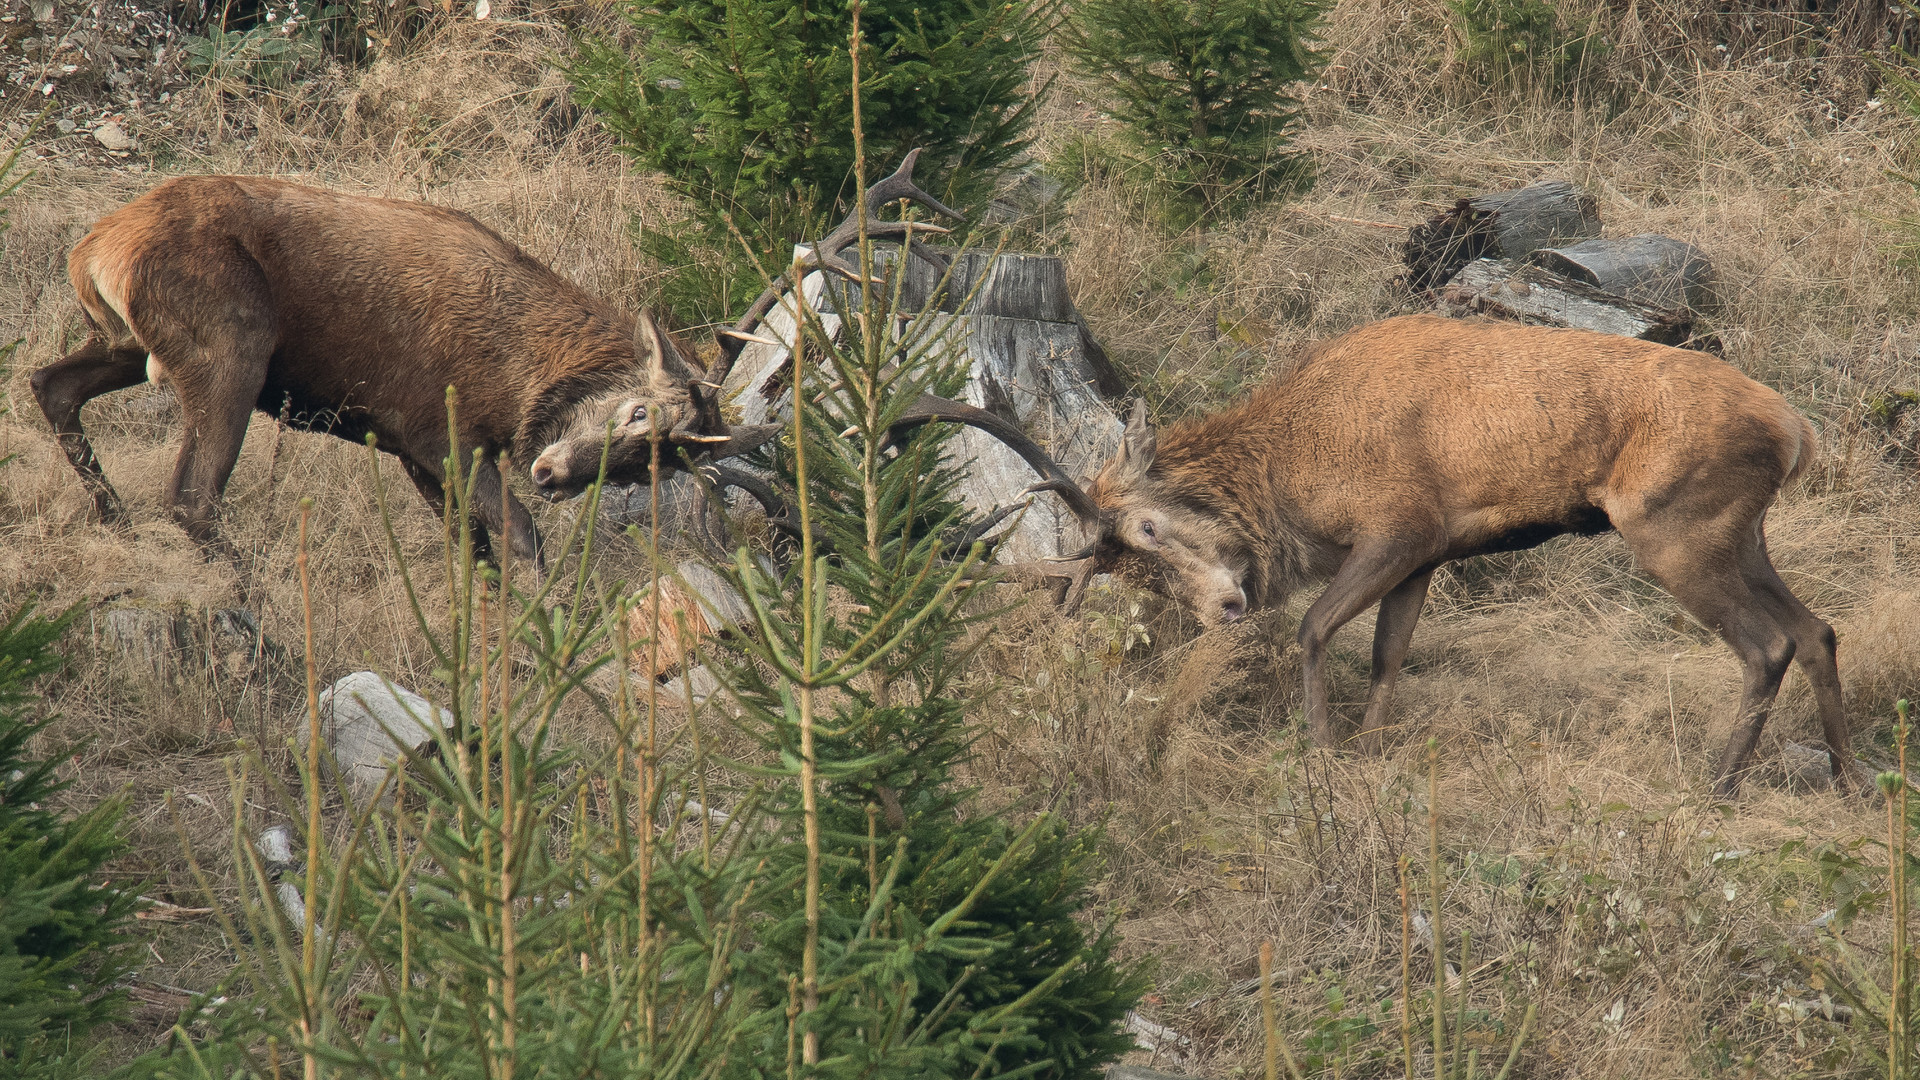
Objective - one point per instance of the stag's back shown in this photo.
(377, 302)
(1509, 424)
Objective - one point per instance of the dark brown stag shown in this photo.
(1419, 440)
(353, 316)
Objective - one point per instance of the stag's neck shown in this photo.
(1238, 466)
(586, 362)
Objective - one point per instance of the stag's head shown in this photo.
(1146, 525)
(668, 396)
(1149, 528)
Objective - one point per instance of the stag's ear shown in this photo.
(655, 351)
(1136, 445)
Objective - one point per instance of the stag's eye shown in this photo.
(1146, 530)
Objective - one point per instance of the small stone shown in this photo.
(364, 721)
(1806, 766)
(65, 125)
(113, 137)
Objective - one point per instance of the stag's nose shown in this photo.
(542, 473)
(1232, 609)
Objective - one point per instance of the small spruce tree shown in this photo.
(891, 730)
(745, 106)
(1205, 89)
(61, 929)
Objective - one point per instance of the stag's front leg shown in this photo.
(1374, 567)
(63, 386)
(1392, 634)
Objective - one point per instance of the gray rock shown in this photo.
(1806, 766)
(364, 722)
(113, 137)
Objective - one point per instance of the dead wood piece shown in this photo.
(1535, 295)
(1655, 270)
(1507, 224)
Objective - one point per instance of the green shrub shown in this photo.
(62, 932)
(1523, 42)
(745, 106)
(1206, 89)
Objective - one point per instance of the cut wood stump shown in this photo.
(1030, 358)
(1506, 224)
(1534, 294)
(1655, 270)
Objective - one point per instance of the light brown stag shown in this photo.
(1419, 440)
(353, 316)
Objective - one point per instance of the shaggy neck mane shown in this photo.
(590, 372)
(1218, 466)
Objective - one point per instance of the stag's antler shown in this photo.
(825, 255)
(930, 408)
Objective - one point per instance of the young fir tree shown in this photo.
(1206, 89)
(887, 732)
(62, 931)
(745, 106)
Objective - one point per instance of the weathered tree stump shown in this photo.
(149, 643)
(1507, 224)
(1533, 294)
(1030, 357)
(1656, 270)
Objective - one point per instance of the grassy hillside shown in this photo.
(1580, 711)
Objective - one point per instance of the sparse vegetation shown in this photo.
(1654, 933)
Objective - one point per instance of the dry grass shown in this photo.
(1580, 710)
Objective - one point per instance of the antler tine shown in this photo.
(930, 408)
(893, 188)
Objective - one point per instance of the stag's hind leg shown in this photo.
(65, 385)
(1815, 648)
(214, 410)
(1701, 563)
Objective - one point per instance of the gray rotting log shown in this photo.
(1533, 294)
(1507, 224)
(1656, 270)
